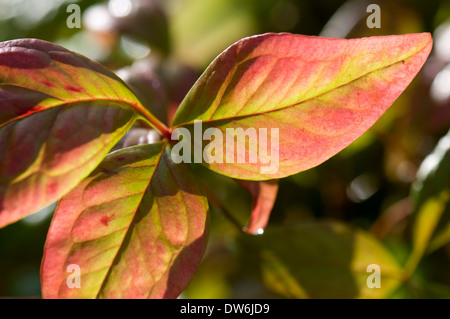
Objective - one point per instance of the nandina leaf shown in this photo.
(263, 195)
(320, 93)
(136, 227)
(60, 113)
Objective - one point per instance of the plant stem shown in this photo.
(157, 124)
(217, 202)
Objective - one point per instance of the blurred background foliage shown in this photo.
(383, 200)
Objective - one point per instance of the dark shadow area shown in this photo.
(309, 260)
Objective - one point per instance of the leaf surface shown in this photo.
(136, 227)
(316, 95)
(321, 260)
(60, 114)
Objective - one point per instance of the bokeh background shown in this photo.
(371, 192)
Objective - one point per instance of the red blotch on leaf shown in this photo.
(106, 219)
(48, 84)
(52, 188)
(73, 89)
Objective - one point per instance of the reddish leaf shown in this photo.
(60, 114)
(263, 194)
(136, 227)
(321, 94)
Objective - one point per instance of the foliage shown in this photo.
(138, 223)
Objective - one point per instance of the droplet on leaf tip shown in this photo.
(259, 231)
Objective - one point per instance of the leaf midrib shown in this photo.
(128, 227)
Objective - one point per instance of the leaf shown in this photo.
(321, 260)
(321, 94)
(431, 194)
(60, 114)
(136, 227)
(263, 195)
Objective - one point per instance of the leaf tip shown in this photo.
(253, 231)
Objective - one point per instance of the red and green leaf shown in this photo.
(136, 227)
(60, 114)
(320, 93)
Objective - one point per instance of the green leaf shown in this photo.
(136, 227)
(431, 194)
(60, 114)
(313, 95)
(321, 260)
